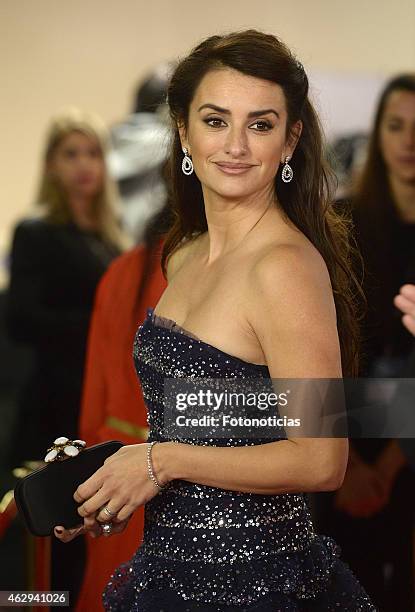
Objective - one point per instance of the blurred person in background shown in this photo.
(347, 154)
(112, 402)
(139, 150)
(57, 261)
(371, 517)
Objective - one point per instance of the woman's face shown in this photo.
(236, 133)
(397, 135)
(78, 164)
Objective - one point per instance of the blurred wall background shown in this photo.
(91, 53)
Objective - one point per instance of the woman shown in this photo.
(372, 502)
(56, 262)
(253, 298)
(384, 211)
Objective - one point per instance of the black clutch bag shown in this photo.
(44, 498)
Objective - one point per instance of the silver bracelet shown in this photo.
(150, 466)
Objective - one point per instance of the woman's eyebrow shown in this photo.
(225, 111)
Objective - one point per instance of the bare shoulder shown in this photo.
(181, 254)
(292, 311)
(288, 266)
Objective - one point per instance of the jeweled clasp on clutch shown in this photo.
(63, 448)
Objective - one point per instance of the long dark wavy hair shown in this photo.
(378, 229)
(306, 201)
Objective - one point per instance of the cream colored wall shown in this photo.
(90, 53)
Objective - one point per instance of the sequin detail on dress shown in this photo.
(213, 549)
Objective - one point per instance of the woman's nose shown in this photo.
(84, 161)
(409, 138)
(236, 143)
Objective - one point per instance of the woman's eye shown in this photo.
(95, 153)
(215, 122)
(262, 126)
(393, 127)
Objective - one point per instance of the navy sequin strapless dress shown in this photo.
(209, 549)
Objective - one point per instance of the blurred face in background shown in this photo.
(397, 135)
(77, 163)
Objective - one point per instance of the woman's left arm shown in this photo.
(292, 313)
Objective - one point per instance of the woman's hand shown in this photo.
(90, 526)
(405, 301)
(120, 485)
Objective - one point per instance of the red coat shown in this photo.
(112, 405)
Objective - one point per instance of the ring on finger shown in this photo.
(106, 529)
(108, 511)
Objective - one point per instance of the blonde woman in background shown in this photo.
(57, 260)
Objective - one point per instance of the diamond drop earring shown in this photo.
(287, 172)
(187, 164)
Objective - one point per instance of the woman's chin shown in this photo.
(232, 192)
(405, 174)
